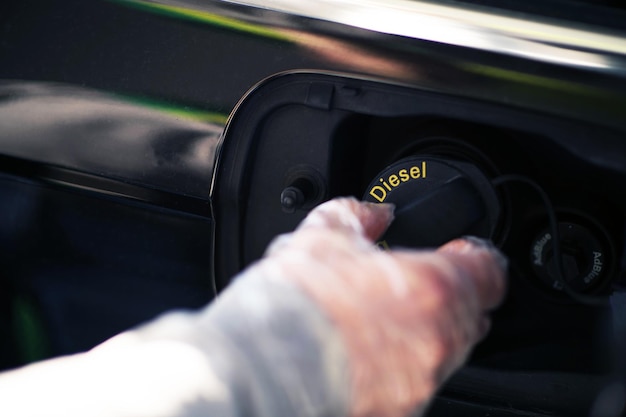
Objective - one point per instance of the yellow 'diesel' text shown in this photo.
(379, 192)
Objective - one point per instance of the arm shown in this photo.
(324, 325)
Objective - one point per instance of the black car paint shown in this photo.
(107, 207)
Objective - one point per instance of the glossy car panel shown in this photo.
(112, 113)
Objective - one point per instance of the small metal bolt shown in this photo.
(291, 199)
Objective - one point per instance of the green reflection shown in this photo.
(205, 17)
(176, 110)
(533, 80)
(30, 335)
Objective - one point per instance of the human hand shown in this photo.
(408, 318)
(325, 324)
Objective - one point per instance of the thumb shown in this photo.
(349, 216)
(338, 224)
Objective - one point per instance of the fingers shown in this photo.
(350, 217)
(337, 227)
(340, 228)
(425, 324)
(451, 292)
(483, 264)
(408, 318)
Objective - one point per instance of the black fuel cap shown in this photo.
(436, 201)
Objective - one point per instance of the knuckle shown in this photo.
(437, 289)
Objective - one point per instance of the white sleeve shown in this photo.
(262, 349)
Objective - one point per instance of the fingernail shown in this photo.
(468, 244)
(385, 209)
(484, 325)
(488, 245)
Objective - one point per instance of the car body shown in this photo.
(139, 172)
